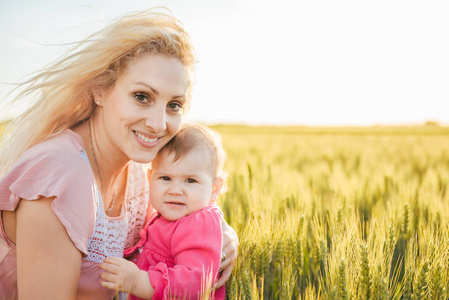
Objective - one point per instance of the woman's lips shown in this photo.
(145, 138)
(145, 141)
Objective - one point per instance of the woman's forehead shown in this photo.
(157, 72)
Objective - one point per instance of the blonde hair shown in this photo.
(63, 91)
(194, 136)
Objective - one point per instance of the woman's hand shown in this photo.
(125, 276)
(230, 250)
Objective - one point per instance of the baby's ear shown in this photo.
(216, 188)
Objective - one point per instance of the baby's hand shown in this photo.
(121, 275)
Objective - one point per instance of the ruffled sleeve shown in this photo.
(48, 170)
(196, 247)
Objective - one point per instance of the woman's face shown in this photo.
(143, 110)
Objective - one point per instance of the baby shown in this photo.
(182, 243)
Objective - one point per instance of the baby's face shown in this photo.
(180, 188)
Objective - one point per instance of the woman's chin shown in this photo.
(143, 159)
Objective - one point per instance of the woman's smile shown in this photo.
(146, 141)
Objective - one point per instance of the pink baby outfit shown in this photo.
(178, 254)
(59, 168)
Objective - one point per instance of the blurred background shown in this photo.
(318, 63)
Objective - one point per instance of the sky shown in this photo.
(316, 63)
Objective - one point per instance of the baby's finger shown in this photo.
(111, 268)
(104, 266)
(113, 260)
(108, 285)
(108, 277)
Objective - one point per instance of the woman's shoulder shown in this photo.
(65, 143)
(61, 152)
(48, 169)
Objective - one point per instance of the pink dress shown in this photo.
(180, 255)
(59, 168)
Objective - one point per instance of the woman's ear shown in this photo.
(98, 94)
(216, 188)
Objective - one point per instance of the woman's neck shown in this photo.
(106, 161)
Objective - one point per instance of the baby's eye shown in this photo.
(191, 180)
(165, 178)
(142, 97)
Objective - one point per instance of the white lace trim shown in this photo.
(109, 236)
(138, 199)
(112, 235)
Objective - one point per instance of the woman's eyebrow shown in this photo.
(156, 92)
(149, 86)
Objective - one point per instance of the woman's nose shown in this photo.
(156, 119)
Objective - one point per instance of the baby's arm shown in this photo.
(125, 276)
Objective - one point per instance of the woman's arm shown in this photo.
(48, 263)
(230, 249)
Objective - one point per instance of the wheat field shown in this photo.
(338, 213)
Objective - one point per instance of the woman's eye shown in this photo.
(175, 106)
(141, 97)
(191, 180)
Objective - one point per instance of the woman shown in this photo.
(102, 113)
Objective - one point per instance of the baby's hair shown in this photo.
(194, 136)
(63, 92)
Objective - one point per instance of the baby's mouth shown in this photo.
(176, 203)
